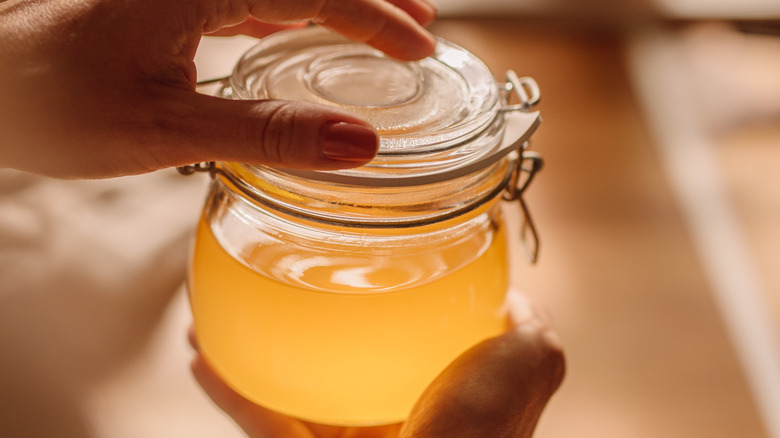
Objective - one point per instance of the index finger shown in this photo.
(393, 27)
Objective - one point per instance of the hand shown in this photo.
(497, 389)
(100, 88)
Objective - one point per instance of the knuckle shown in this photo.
(275, 133)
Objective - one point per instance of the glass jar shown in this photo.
(337, 297)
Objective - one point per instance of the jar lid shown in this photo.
(432, 115)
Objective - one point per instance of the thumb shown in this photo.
(498, 388)
(277, 133)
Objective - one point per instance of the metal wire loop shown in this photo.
(206, 166)
(526, 90)
(528, 164)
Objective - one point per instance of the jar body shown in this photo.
(341, 325)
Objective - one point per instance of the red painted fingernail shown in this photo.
(349, 142)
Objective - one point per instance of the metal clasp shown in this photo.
(528, 163)
(526, 90)
(206, 166)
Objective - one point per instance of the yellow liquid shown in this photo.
(339, 356)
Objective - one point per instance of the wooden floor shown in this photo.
(648, 353)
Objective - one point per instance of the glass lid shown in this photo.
(417, 107)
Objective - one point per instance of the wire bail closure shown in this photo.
(528, 163)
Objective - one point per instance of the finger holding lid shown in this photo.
(422, 11)
(393, 27)
(380, 24)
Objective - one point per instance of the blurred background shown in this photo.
(658, 210)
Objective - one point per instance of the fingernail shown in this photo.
(349, 142)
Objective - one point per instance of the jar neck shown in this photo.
(357, 206)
